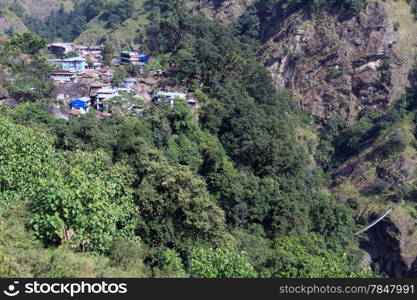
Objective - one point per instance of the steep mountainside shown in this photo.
(131, 30)
(383, 175)
(9, 22)
(127, 33)
(339, 65)
(12, 12)
(42, 8)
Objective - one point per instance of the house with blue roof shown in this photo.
(80, 106)
(133, 58)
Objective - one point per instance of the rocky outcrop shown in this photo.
(337, 65)
(70, 91)
(373, 163)
(22, 96)
(58, 110)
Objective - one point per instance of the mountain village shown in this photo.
(83, 83)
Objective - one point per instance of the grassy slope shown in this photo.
(39, 8)
(42, 8)
(9, 19)
(126, 32)
(400, 12)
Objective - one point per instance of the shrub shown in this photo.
(333, 73)
(379, 186)
(397, 143)
(223, 262)
(126, 254)
(89, 205)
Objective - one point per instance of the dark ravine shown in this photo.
(383, 244)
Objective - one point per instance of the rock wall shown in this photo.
(338, 65)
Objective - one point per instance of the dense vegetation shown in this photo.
(228, 194)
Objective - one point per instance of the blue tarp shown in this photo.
(143, 58)
(77, 104)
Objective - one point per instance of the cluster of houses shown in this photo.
(100, 96)
(84, 64)
(82, 60)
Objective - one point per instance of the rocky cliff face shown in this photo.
(339, 65)
(375, 179)
(381, 160)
